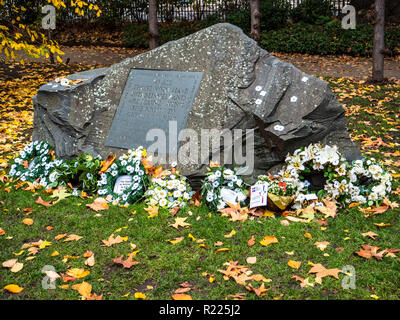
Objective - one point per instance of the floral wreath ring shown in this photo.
(316, 158)
(124, 166)
(31, 161)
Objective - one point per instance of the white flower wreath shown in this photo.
(363, 181)
(311, 160)
(217, 181)
(170, 190)
(367, 183)
(33, 162)
(129, 167)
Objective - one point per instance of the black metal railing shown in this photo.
(172, 10)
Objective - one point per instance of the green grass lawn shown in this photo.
(372, 113)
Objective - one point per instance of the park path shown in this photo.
(331, 66)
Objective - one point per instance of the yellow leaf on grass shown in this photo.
(84, 289)
(267, 240)
(139, 295)
(13, 288)
(152, 211)
(222, 250)
(78, 273)
(308, 235)
(177, 240)
(28, 221)
(181, 296)
(294, 264)
(231, 234)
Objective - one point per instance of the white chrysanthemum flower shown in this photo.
(163, 194)
(241, 196)
(221, 205)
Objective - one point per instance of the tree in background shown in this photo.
(154, 36)
(255, 20)
(18, 36)
(379, 42)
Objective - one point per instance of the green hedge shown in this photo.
(136, 35)
(324, 39)
(328, 39)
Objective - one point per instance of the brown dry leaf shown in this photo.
(322, 245)
(251, 260)
(368, 252)
(285, 223)
(174, 211)
(237, 296)
(218, 243)
(196, 199)
(107, 163)
(329, 210)
(98, 204)
(258, 291)
(180, 222)
(321, 272)
(90, 261)
(73, 237)
(128, 263)
(9, 263)
(60, 236)
(111, 240)
(235, 212)
(88, 254)
(370, 234)
(182, 290)
(43, 203)
(251, 241)
(17, 267)
(304, 283)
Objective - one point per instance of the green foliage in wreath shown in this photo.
(82, 173)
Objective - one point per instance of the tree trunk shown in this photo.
(153, 25)
(379, 41)
(255, 20)
(51, 53)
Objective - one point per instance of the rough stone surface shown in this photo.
(243, 87)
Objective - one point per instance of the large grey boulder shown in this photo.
(242, 87)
